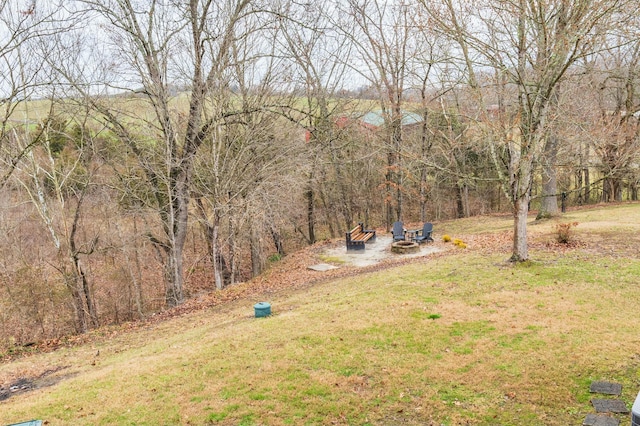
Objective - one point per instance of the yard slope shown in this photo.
(462, 337)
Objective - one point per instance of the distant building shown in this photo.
(372, 121)
(376, 118)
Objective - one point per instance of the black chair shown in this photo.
(424, 234)
(398, 231)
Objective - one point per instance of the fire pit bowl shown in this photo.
(405, 247)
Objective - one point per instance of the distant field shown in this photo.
(137, 107)
(460, 338)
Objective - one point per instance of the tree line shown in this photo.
(151, 150)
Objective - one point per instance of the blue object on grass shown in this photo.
(262, 309)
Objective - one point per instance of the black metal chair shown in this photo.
(424, 234)
(398, 231)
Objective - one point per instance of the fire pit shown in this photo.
(405, 247)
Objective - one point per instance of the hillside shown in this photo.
(457, 337)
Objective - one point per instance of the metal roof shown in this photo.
(376, 118)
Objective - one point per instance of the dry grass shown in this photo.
(459, 338)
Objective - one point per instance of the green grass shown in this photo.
(464, 338)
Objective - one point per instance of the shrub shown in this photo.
(565, 232)
(459, 243)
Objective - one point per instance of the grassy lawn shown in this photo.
(460, 338)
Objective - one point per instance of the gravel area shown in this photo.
(376, 252)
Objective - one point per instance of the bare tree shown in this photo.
(614, 75)
(157, 48)
(549, 197)
(320, 52)
(255, 152)
(23, 28)
(385, 42)
(533, 44)
(57, 179)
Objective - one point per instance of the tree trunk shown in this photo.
(311, 214)
(136, 275)
(520, 215)
(216, 256)
(579, 184)
(277, 238)
(549, 203)
(367, 215)
(423, 194)
(233, 260)
(345, 197)
(612, 189)
(174, 276)
(211, 232)
(81, 288)
(387, 192)
(133, 269)
(520, 180)
(332, 220)
(89, 301)
(176, 228)
(587, 186)
(83, 305)
(71, 281)
(425, 148)
(459, 200)
(257, 264)
(397, 145)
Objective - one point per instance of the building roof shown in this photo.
(376, 118)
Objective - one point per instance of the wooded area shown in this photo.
(153, 150)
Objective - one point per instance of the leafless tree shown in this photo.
(384, 38)
(614, 74)
(533, 44)
(255, 152)
(24, 26)
(157, 48)
(57, 179)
